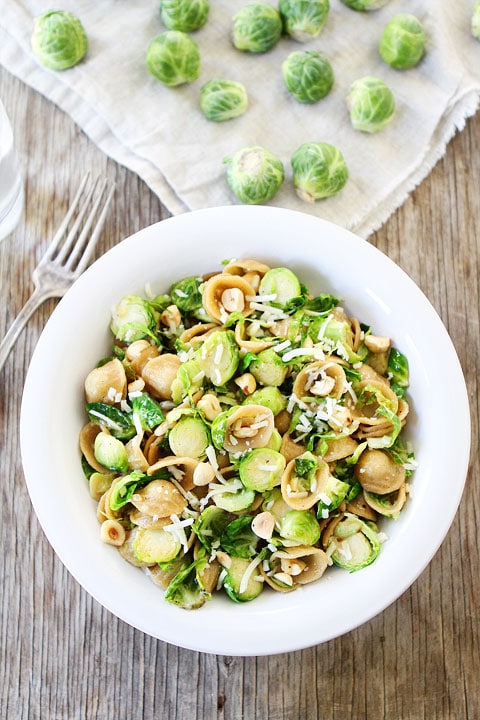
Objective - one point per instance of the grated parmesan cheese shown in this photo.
(177, 528)
(247, 574)
(138, 423)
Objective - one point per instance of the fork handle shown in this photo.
(36, 299)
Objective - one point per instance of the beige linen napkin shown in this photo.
(160, 133)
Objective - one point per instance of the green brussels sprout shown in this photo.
(254, 174)
(269, 369)
(186, 294)
(188, 380)
(173, 58)
(223, 100)
(319, 171)
(257, 28)
(188, 437)
(185, 590)
(148, 411)
(334, 493)
(132, 319)
(308, 75)
(356, 543)
(110, 452)
(270, 397)
(184, 15)
(365, 5)
(303, 19)
(235, 497)
(238, 538)
(371, 104)
(119, 423)
(59, 40)
(475, 25)
(155, 545)
(299, 527)
(210, 524)
(219, 356)
(402, 44)
(275, 442)
(234, 584)
(262, 469)
(398, 371)
(281, 282)
(125, 487)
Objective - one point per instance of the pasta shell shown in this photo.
(243, 267)
(126, 550)
(106, 383)
(139, 353)
(197, 333)
(163, 577)
(314, 559)
(136, 458)
(320, 378)
(394, 504)
(182, 469)
(340, 448)
(147, 521)
(159, 499)
(254, 346)
(214, 295)
(295, 494)
(360, 507)
(290, 449)
(159, 374)
(87, 441)
(248, 427)
(377, 472)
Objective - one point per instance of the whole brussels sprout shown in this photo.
(371, 104)
(319, 171)
(365, 5)
(308, 75)
(257, 27)
(184, 15)
(476, 20)
(59, 40)
(402, 44)
(223, 99)
(303, 19)
(254, 174)
(173, 58)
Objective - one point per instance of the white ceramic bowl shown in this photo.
(326, 258)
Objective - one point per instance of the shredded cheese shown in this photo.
(247, 574)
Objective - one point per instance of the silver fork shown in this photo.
(68, 254)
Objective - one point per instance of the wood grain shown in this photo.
(63, 657)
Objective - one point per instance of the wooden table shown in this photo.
(63, 657)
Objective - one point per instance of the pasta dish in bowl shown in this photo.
(250, 419)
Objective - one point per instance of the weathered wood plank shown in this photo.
(63, 656)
